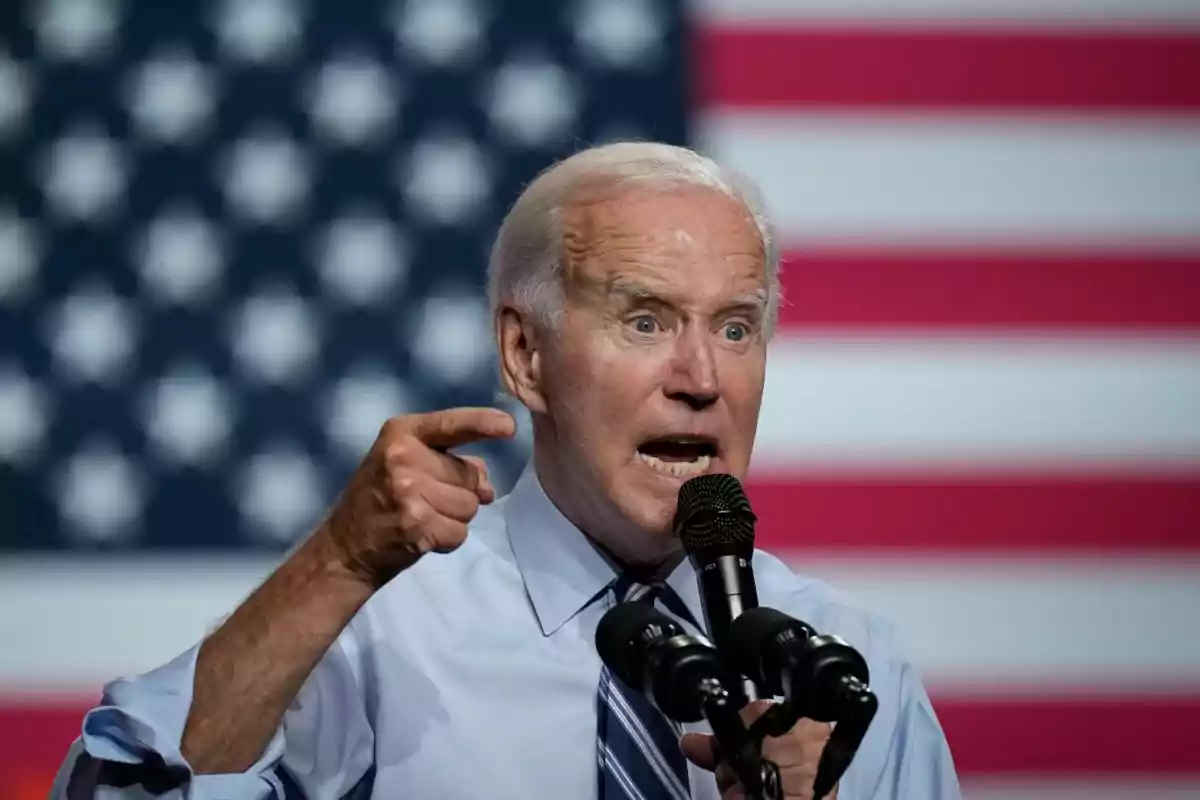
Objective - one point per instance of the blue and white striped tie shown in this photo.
(638, 747)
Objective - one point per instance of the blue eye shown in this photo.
(736, 331)
(645, 324)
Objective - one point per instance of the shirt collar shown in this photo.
(562, 569)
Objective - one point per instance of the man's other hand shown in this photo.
(797, 754)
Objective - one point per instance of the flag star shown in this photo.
(20, 253)
(453, 336)
(187, 415)
(362, 258)
(259, 30)
(445, 178)
(72, 29)
(171, 97)
(180, 257)
(100, 494)
(532, 101)
(84, 175)
(439, 32)
(352, 99)
(274, 337)
(266, 176)
(15, 89)
(281, 493)
(92, 336)
(359, 403)
(619, 33)
(23, 413)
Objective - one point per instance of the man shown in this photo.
(432, 641)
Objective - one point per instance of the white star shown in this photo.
(362, 258)
(358, 405)
(15, 89)
(100, 494)
(170, 97)
(445, 178)
(439, 32)
(180, 256)
(619, 33)
(84, 175)
(281, 494)
(266, 176)
(23, 413)
(453, 336)
(259, 30)
(92, 335)
(76, 29)
(352, 99)
(187, 415)
(20, 253)
(274, 337)
(532, 101)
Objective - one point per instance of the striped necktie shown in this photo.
(638, 747)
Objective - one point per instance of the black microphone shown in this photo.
(714, 521)
(652, 654)
(681, 675)
(820, 677)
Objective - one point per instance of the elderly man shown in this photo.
(431, 640)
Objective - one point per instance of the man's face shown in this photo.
(656, 374)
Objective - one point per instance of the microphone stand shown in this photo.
(758, 776)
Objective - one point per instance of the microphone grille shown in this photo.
(713, 511)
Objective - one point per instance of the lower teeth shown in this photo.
(677, 469)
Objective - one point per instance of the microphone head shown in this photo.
(623, 634)
(713, 517)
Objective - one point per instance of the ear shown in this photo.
(520, 358)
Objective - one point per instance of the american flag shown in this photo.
(235, 236)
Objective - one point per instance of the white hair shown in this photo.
(526, 264)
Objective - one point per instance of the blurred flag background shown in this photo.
(236, 236)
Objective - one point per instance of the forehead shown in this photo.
(693, 237)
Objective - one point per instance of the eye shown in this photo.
(645, 324)
(736, 331)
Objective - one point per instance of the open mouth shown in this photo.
(678, 456)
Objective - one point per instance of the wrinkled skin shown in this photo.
(663, 332)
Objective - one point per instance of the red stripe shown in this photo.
(898, 514)
(939, 67)
(1074, 735)
(897, 287)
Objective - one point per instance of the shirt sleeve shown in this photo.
(918, 762)
(130, 742)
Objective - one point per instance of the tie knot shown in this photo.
(629, 588)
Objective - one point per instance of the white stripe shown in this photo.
(973, 625)
(978, 12)
(1149, 787)
(979, 403)
(633, 725)
(966, 178)
(981, 622)
(616, 769)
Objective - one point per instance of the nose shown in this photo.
(693, 379)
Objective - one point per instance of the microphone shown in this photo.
(652, 654)
(682, 676)
(714, 521)
(820, 677)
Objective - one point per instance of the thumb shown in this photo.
(700, 749)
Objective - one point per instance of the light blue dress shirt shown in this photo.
(473, 675)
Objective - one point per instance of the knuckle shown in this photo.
(403, 483)
(398, 451)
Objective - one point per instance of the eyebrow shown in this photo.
(627, 288)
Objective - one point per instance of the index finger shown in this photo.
(458, 426)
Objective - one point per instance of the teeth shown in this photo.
(677, 469)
